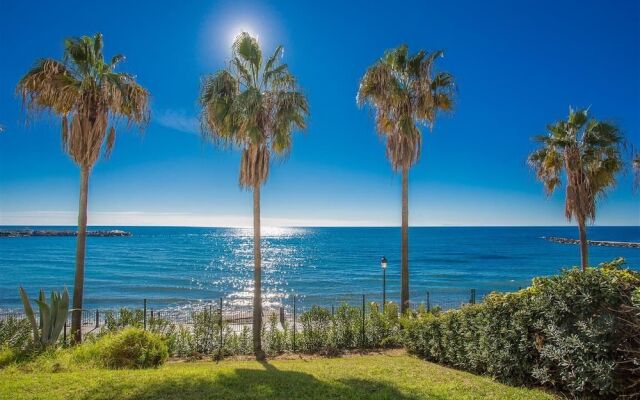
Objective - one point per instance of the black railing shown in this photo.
(238, 316)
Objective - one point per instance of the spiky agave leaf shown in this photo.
(29, 312)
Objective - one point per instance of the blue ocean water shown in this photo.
(180, 266)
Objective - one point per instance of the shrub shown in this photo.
(7, 356)
(316, 334)
(564, 331)
(182, 343)
(206, 332)
(383, 327)
(129, 348)
(275, 337)
(124, 318)
(15, 333)
(348, 327)
(239, 343)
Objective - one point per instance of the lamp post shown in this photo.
(383, 264)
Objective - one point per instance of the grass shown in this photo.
(379, 376)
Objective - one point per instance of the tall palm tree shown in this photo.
(406, 93)
(588, 151)
(254, 105)
(91, 97)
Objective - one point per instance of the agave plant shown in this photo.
(52, 316)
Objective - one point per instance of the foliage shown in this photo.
(588, 151)
(405, 93)
(330, 334)
(88, 91)
(276, 337)
(117, 320)
(124, 318)
(239, 343)
(15, 333)
(52, 316)
(208, 332)
(316, 334)
(383, 327)
(564, 331)
(129, 348)
(255, 105)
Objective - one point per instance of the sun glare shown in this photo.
(237, 30)
(222, 27)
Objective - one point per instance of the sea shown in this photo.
(176, 267)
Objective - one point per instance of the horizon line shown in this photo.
(323, 226)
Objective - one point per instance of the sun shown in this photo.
(238, 29)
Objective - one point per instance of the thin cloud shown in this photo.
(178, 120)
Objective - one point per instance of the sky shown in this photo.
(518, 67)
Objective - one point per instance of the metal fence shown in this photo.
(237, 317)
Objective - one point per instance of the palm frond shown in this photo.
(87, 94)
(254, 107)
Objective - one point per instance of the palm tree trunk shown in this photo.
(404, 292)
(78, 284)
(584, 249)
(257, 278)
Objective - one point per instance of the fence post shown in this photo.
(282, 316)
(473, 296)
(428, 302)
(332, 311)
(220, 346)
(294, 322)
(65, 332)
(97, 318)
(144, 318)
(363, 337)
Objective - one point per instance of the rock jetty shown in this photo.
(604, 243)
(33, 232)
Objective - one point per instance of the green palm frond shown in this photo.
(87, 94)
(253, 106)
(587, 152)
(405, 93)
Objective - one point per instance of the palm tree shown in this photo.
(406, 93)
(255, 106)
(588, 152)
(90, 96)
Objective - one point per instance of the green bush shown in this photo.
(574, 332)
(348, 327)
(206, 332)
(240, 343)
(275, 338)
(125, 318)
(316, 335)
(15, 333)
(7, 356)
(383, 327)
(129, 348)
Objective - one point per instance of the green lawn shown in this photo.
(381, 376)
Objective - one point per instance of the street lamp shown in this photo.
(383, 264)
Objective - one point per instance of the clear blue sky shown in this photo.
(518, 65)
